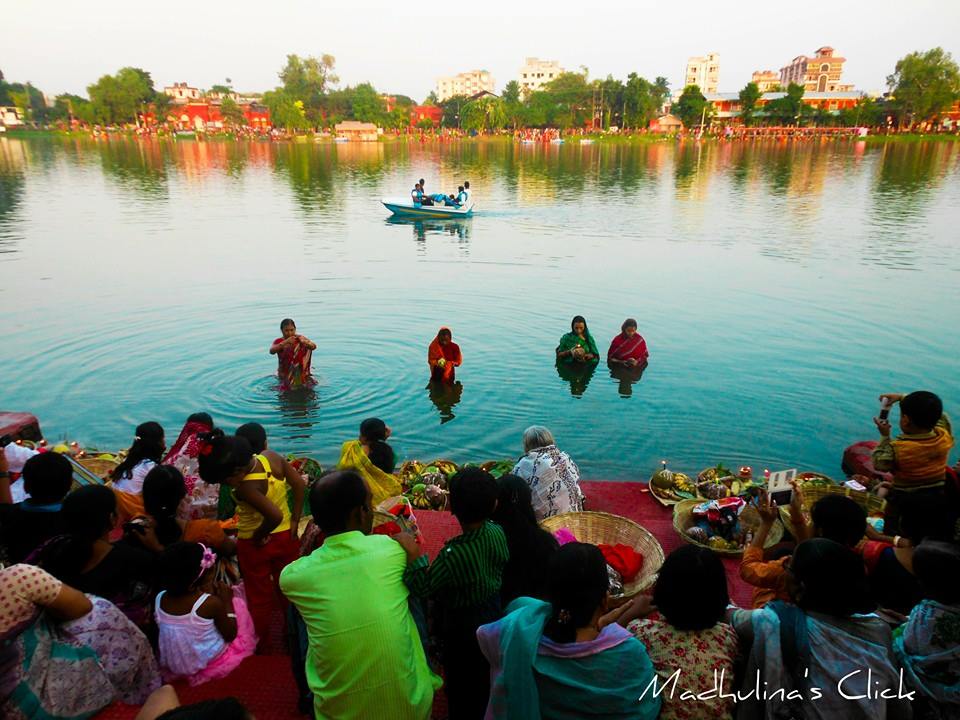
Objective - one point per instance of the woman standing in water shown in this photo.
(628, 348)
(578, 345)
(443, 356)
(294, 353)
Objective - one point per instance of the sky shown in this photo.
(64, 45)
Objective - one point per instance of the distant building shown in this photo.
(204, 116)
(10, 116)
(357, 131)
(820, 73)
(766, 80)
(466, 83)
(219, 97)
(727, 106)
(419, 113)
(536, 73)
(704, 72)
(666, 124)
(181, 93)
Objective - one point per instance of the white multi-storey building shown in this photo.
(181, 93)
(704, 72)
(466, 83)
(536, 73)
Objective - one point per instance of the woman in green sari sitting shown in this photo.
(578, 345)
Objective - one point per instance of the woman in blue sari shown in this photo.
(559, 659)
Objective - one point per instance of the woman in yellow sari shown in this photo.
(371, 457)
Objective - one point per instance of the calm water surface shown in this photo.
(780, 289)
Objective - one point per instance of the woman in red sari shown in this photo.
(294, 353)
(443, 357)
(628, 348)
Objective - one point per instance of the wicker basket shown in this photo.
(99, 466)
(683, 519)
(601, 527)
(868, 501)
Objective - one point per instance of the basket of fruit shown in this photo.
(603, 528)
(426, 484)
(668, 487)
(498, 468)
(814, 486)
(724, 525)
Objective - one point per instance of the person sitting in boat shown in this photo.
(462, 196)
(466, 190)
(425, 199)
(416, 195)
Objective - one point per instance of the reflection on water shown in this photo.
(626, 377)
(445, 397)
(578, 375)
(143, 280)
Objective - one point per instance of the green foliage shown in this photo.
(366, 105)
(868, 113)
(789, 109)
(307, 80)
(431, 99)
(425, 124)
(484, 114)
(692, 107)
(748, 102)
(453, 110)
(231, 112)
(119, 98)
(26, 98)
(222, 89)
(570, 100)
(511, 92)
(399, 117)
(285, 110)
(924, 85)
(642, 99)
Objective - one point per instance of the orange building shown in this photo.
(727, 106)
(820, 73)
(419, 113)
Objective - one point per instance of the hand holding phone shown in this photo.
(780, 487)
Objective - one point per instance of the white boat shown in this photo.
(557, 141)
(586, 141)
(405, 206)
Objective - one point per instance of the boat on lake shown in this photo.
(406, 207)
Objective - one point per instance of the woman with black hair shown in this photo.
(563, 658)
(267, 526)
(371, 457)
(531, 547)
(85, 558)
(164, 490)
(817, 652)
(578, 345)
(146, 451)
(692, 634)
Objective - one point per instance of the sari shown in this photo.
(294, 366)
(572, 340)
(927, 646)
(381, 484)
(202, 498)
(451, 355)
(624, 347)
(799, 651)
(532, 677)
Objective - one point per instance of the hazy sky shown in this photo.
(64, 45)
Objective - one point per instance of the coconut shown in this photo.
(662, 479)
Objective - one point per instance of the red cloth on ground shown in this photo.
(449, 352)
(622, 558)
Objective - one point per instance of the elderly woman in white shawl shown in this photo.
(552, 476)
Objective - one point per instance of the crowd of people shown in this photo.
(109, 590)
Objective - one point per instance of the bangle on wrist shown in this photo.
(232, 615)
(896, 541)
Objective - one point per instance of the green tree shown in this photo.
(453, 110)
(425, 124)
(431, 99)
(222, 89)
(571, 100)
(866, 113)
(511, 92)
(641, 101)
(231, 112)
(748, 102)
(366, 104)
(692, 107)
(512, 104)
(789, 109)
(119, 98)
(611, 101)
(286, 111)
(924, 85)
(307, 80)
(484, 114)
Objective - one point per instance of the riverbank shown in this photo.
(389, 138)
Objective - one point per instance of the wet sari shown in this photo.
(624, 348)
(294, 366)
(451, 356)
(572, 340)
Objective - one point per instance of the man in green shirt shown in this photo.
(365, 658)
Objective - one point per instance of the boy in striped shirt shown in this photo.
(464, 581)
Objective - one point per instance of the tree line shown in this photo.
(922, 86)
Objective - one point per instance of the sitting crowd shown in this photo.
(177, 568)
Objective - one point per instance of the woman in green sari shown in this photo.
(578, 345)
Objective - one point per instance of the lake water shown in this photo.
(780, 288)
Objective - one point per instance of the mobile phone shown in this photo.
(885, 408)
(779, 488)
(6, 440)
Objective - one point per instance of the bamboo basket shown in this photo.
(600, 527)
(99, 466)
(872, 505)
(683, 519)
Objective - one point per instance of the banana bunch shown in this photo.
(682, 483)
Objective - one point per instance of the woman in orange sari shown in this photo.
(443, 357)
